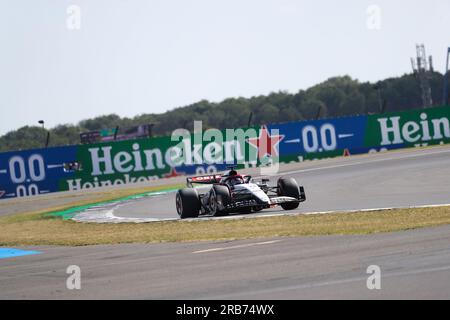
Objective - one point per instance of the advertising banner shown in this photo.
(87, 166)
(409, 128)
(34, 172)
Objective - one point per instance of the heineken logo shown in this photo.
(393, 131)
(113, 164)
(209, 147)
(105, 161)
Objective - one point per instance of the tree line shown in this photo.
(335, 97)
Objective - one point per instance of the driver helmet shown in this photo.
(234, 180)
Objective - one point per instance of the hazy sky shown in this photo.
(134, 56)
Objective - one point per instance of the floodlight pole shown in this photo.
(47, 140)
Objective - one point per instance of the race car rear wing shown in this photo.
(206, 179)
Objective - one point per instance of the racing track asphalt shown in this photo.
(414, 264)
(394, 179)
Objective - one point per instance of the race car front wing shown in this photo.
(273, 201)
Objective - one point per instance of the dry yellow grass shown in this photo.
(38, 230)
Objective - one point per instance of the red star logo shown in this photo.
(173, 173)
(266, 143)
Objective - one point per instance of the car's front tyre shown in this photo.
(288, 187)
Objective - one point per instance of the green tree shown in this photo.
(337, 96)
(313, 107)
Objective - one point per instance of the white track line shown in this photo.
(237, 246)
(109, 217)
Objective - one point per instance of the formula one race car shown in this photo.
(235, 193)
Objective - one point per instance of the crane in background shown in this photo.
(423, 68)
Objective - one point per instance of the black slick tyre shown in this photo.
(288, 187)
(188, 203)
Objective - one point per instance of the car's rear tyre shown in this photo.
(220, 197)
(188, 203)
(288, 187)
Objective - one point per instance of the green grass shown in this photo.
(98, 197)
(38, 229)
